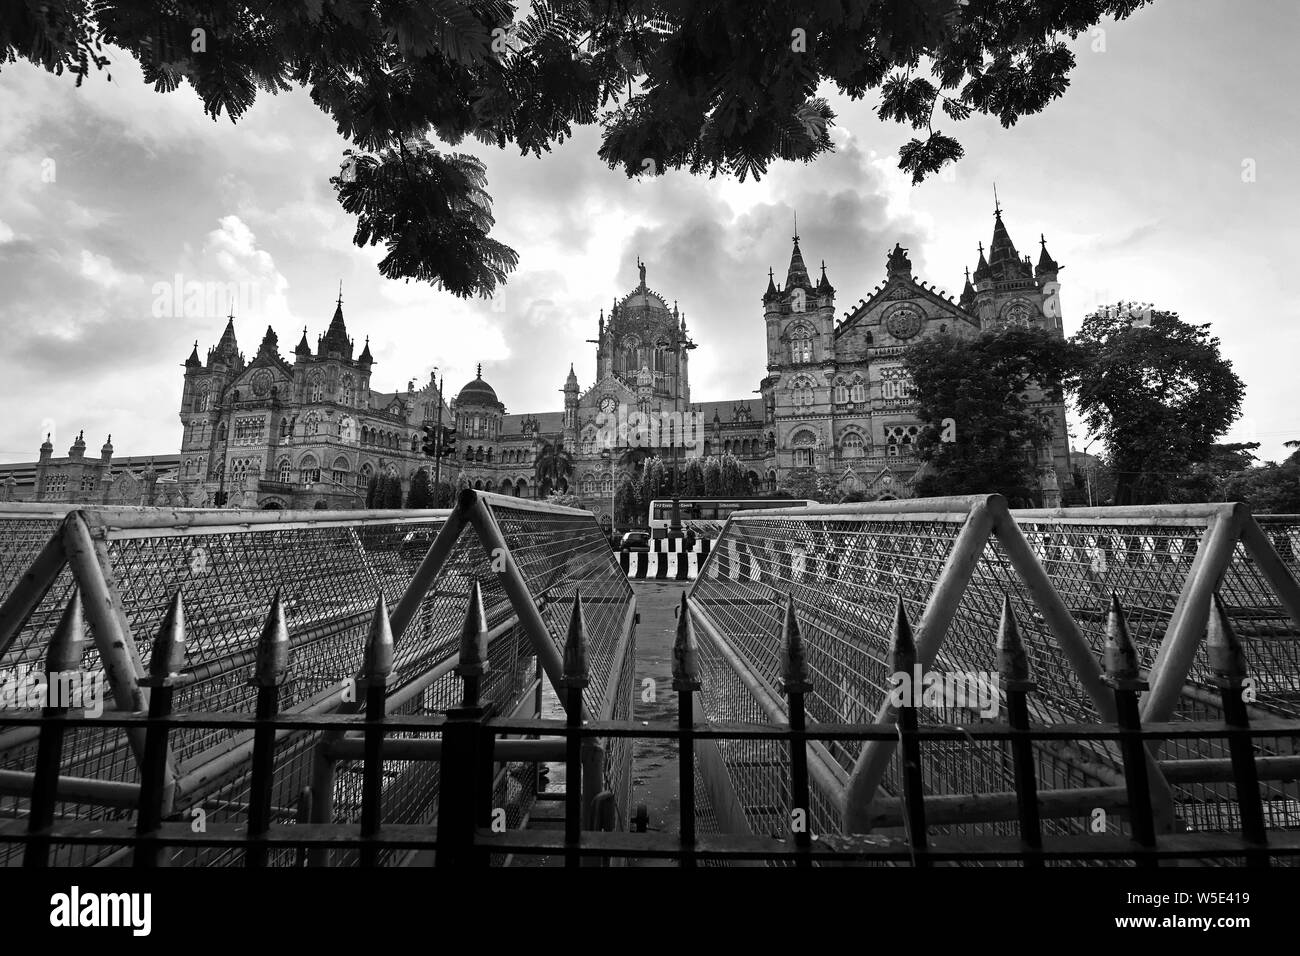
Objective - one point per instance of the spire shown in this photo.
(336, 336)
(366, 358)
(824, 286)
(1004, 261)
(302, 347)
(982, 268)
(571, 382)
(1046, 264)
(968, 290)
(193, 361)
(771, 292)
(478, 374)
(797, 275)
(228, 347)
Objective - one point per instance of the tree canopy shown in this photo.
(1158, 395)
(979, 397)
(725, 87)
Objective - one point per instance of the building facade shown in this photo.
(76, 479)
(835, 402)
(306, 433)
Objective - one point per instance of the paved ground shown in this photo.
(654, 762)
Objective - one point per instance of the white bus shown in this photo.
(698, 510)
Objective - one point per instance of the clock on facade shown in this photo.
(607, 404)
(904, 323)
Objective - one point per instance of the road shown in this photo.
(654, 762)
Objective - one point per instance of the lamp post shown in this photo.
(675, 528)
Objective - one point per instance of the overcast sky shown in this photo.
(1135, 176)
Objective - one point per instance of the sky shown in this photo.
(1166, 174)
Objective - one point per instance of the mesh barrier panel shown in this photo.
(846, 571)
(329, 570)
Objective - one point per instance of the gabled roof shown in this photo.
(899, 288)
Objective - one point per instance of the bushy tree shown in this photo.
(1269, 488)
(731, 477)
(974, 394)
(420, 494)
(552, 469)
(372, 491)
(722, 87)
(630, 511)
(693, 484)
(1158, 395)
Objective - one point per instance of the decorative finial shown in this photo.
(796, 225)
(997, 207)
(968, 273)
(981, 247)
(340, 292)
(480, 370)
(770, 273)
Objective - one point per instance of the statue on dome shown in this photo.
(641, 268)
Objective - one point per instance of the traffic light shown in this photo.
(449, 441)
(430, 444)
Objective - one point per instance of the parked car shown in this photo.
(635, 541)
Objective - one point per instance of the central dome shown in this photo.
(477, 392)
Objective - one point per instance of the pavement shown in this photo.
(654, 762)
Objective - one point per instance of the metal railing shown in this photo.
(469, 741)
(322, 572)
(953, 562)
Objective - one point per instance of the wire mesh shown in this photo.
(847, 569)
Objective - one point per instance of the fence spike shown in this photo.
(1226, 657)
(686, 674)
(272, 647)
(168, 656)
(902, 649)
(474, 635)
(379, 642)
(67, 646)
(575, 647)
(1013, 662)
(1121, 655)
(794, 664)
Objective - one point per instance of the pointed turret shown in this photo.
(1004, 261)
(824, 286)
(194, 361)
(797, 275)
(302, 347)
(227, 349)
(78, 448)
(967, 291)
(366, 358)
(336, 338)
(570, 382)
(106, 450)
(1046, 264)
(771, 292)
(981, 268)
(47, 446)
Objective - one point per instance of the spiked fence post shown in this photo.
(686, 681)
(270, 671)
(165, 664)
(795, 684)
(379, 665)
(903, 666)
(574, 679)
(62, 656)
(1122, 675)
(473, 664)
(1229, 666)
(464, 784)
(1013, 667)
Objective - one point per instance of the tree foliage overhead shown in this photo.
(722, 87)
(1157, 395)
(987, 386)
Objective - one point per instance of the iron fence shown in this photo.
(952, 563)
(468, 742)
(323, 573)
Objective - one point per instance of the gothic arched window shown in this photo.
(315, 387)
(841, 391)
(852, 446)
(284, 471)
(801, 345)
(308, 470)
(804, 444)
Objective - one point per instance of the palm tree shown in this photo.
(553, 469)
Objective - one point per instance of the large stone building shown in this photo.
(141, 480)
(307, 433)
(835, 400)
